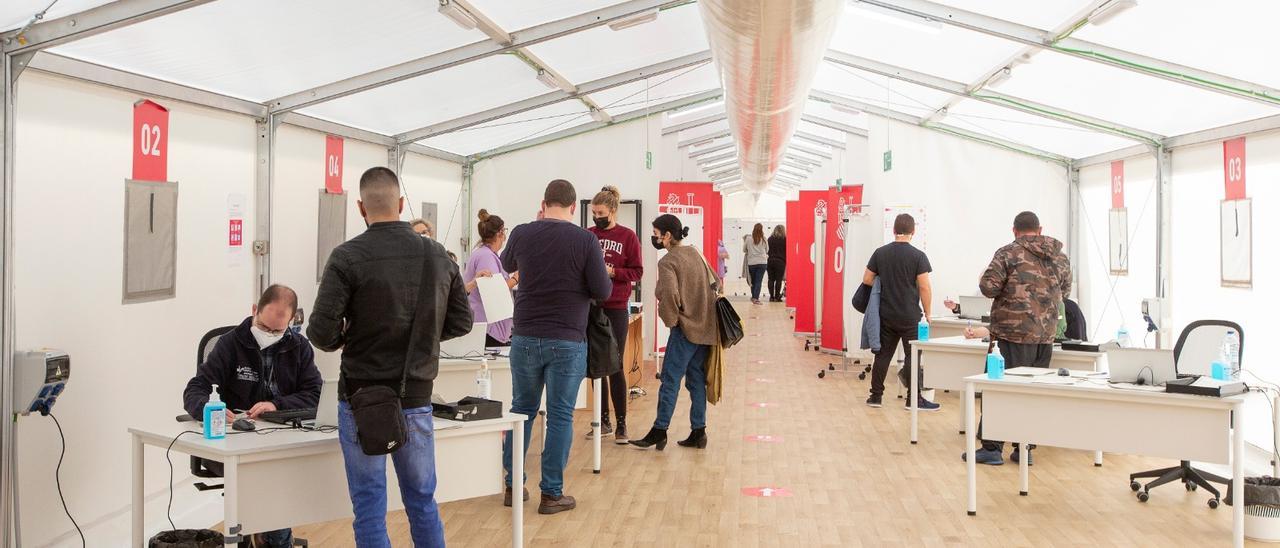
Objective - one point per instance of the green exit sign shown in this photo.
(888, 160)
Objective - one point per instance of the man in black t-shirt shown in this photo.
(904, 288)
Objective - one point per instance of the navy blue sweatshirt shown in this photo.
(561, 271)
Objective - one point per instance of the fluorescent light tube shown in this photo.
(457, 14)
(550, 80)
(638, 19)
(912, 22)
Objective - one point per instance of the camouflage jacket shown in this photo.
(1027, 279)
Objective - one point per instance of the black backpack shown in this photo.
(603, 355)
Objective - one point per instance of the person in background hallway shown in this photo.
(374, 295)
(623, 261)
(484, 263)
(1027, 279)
(261, 366)
(687, 304)
(904, 289)
(777, 265)
(561, 271)
(756, 250)
(423, 228)
(722, 262)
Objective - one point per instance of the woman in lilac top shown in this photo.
(483, 263)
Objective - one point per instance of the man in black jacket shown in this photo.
(260, 366)
(368, 304)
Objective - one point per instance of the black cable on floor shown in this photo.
(168, 512)
(57, 478)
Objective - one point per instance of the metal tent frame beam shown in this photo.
(818, 139)
(551, 98)
(994, 98)
(104, 18)
(465, 54)
(832, 124)
(584, 128)
(712, 149)
(705, 120)
(912, 119)
(717, 135)
(1256, 126)
(1082, 49)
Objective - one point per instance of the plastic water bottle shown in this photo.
(215, 417)
(995, 366)
(922, 330)
(484, 381)
(1122, 338)
(1231, 352)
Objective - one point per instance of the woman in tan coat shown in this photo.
(686, 303)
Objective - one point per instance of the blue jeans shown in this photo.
(757, 278)
(415, 464)
(558, 365)
(688, 360)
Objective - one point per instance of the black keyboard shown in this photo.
(287, 416)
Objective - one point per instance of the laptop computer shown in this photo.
(327, 409)
(470, 345)
(974, 307)
(1141, 366)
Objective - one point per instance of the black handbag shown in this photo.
(603, 356)
(861, 298)
(379, 418)
(730, 323)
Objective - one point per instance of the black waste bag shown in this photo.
(604, 354)
(1261, 490)
(187, 538)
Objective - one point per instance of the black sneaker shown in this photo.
(874, 401)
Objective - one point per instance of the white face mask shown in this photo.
(264, 339)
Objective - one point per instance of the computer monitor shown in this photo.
(470, 345)
(974, 308)
(1154, 367)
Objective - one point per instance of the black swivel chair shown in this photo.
(1198, 346)
(202, 468)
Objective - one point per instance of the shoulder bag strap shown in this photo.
(417, 316)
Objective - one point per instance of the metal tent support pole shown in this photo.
(264, 179)
(1073, 225)
(465, 235)
(8, 453)
(1164, 241)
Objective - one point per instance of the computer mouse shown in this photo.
(243, 425)
(1062, 372)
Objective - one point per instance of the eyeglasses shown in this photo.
(269, 331)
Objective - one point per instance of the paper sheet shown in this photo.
(496, 298)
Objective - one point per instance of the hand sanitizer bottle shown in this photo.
(484, 382)
(922, 330)
(215, 417)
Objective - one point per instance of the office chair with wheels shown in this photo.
(1198, 346)
(202, 468)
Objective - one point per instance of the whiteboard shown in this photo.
(1237, 242)
(1119, 246)
(892, 212)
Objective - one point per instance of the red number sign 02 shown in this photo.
(1117, 184)
(1233, 168)
(333, 164)
(150, 141)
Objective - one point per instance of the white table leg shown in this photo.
(914, 394)
(1024, 468)
(1237, 479)
(139, 477)
(1097, 458)
(595, 423)
(517, 480)
(230, 500)
(969, 446)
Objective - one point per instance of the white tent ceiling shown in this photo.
(261, 51)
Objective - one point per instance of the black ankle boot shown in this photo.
(697, 438)
(656, 436)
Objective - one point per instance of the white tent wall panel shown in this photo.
(1196, 290)
(427, 179)
(601, 51)
(511, 185)
(71, 162)
(513, 16)
(1108, 301)
(16, 13)
(970, 192)
(1031, 130)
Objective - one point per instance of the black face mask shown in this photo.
(601, 222)
(657, 242)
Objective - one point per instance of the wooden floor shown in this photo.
(854, 478)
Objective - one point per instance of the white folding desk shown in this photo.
(1093, 415)
(287, 478)
(456, 379)
(948, 360)
(941, 327)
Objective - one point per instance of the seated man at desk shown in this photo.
(1072, 329)
(260, 366)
